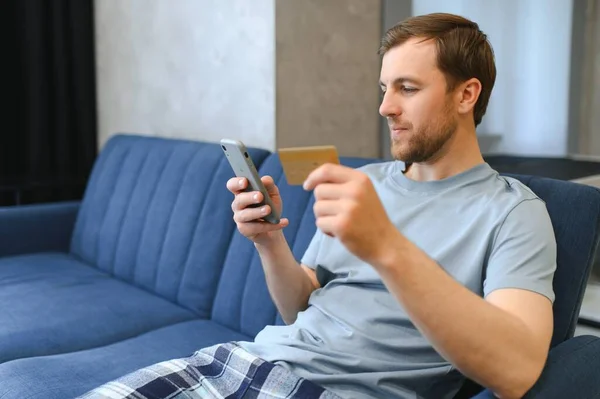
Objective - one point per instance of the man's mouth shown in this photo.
(398, 129)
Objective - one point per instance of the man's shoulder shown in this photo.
(522, 210)
(516, 189)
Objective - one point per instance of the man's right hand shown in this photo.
(290, 284)
(249, 219)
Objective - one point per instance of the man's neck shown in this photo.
(458, 155)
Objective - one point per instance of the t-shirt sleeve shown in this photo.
(310, 256)
(523, 254)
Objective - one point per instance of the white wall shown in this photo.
(197, 69)
(532, 44)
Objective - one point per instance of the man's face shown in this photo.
(420, 113)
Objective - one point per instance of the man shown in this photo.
(415, 277)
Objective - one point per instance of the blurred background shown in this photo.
(276, 73)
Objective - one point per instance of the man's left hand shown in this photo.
(347, 207)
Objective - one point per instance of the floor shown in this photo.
(590, 308)
(586, 330)
(590, 311)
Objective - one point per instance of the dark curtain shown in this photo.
(48, 130)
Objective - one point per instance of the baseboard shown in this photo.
(589, 323)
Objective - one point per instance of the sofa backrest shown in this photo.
(243, 302)
(156, 213)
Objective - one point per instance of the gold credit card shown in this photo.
(299, 162)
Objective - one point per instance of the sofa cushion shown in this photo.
(156, 214)
(54, 303)
(243, 302)
(72, 374)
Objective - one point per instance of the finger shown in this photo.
(327, 225)
(244, 200)
(326, 208)
(328, 173)
(237, 184)
(270, 186)
(328, 191)
(253, 228)
(251, 214)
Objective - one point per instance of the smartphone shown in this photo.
(242, 166)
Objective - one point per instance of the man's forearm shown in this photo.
(288, 283)
(486, 343)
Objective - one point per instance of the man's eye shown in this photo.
(408, 89)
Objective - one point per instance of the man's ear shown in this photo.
(468, 94)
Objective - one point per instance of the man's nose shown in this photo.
(388, 106)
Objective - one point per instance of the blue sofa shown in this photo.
(149, 267)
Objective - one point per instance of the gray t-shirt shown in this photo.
(485, 230)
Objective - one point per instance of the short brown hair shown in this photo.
(463, 51)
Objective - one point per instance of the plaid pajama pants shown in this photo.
(218, 372)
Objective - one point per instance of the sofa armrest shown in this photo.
(570, 372)
(37, 228)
